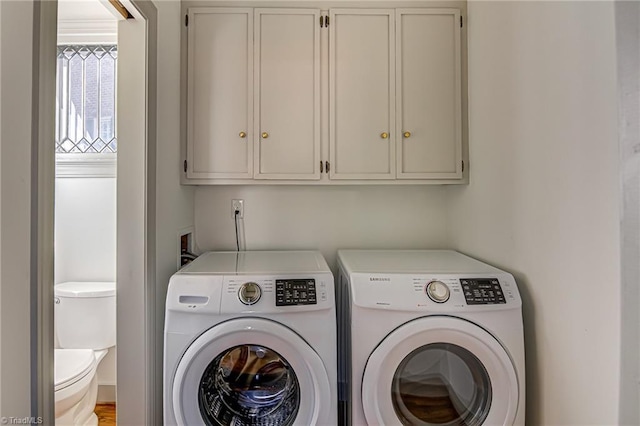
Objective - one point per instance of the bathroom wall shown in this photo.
(85, 229)
(85, 245)
(324, 218)
(543, 198)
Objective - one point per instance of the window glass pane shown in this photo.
(441, 384)
(86, 99)
(251, 386)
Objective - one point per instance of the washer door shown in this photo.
(440, 371)
(251, 372)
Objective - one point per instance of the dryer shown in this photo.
(250, 339)
(428, 337)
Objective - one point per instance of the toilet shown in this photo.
(85, 325)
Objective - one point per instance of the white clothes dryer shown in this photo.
(428, 337)
(250, 339)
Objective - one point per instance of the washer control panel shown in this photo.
(294, 292)
(482, 291)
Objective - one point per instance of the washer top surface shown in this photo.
(411, 261)
(257, 262)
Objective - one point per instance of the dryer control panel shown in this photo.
(435, 292)
(482, 291)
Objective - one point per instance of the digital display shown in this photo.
(482, 291)
(296, 292)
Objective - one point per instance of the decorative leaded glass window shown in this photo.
(86, 99)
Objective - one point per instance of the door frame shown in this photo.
(136, 368)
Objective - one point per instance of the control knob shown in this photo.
(438, 291)
(249, 293)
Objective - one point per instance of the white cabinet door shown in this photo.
(362, 93)
(287, 94)
(428, 103)
(219, 93)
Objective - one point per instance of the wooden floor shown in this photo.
(106, 414)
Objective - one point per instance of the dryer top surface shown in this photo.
(411, 261)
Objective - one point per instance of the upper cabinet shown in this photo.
(287, 94)
(428, 98)
(340, 96)
(220, 94)
(361, 120)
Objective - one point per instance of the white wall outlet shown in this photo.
(237, 206)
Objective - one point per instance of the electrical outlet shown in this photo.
(237, 205)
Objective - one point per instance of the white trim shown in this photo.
(88, 32)
(86, 165)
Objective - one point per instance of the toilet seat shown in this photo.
(71, 365)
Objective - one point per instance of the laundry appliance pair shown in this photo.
(428, 337)
(423, 338)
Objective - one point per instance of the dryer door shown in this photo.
(440, 370)
(251, 371)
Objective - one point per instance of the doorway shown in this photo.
(135, 226)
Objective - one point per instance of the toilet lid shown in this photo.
(71, 365)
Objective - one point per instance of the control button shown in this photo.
(438, 291)
(249, 293)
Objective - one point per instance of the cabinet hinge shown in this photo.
(321, 167)
(462, 166)
(461, 22)
(185, 166)
(186, 20)
(321, 21)
(326, 21)
(326, 166)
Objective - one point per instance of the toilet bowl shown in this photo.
(76, 386)
(85, 327)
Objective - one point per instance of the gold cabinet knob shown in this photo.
(384, 135)
(242, 135)
(265, 135)
(407, 135)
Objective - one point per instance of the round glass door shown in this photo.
(249, 385)
(250, 372)
(440, 370)
(441, 384)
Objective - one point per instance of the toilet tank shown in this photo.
(85, 314)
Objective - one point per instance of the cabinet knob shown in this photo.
(407, 135)
(265, 135)
(384, 135)
(242, 135)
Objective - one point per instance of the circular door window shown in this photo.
(441, 384)
(249, 385)
(440, 370)
(250, 372)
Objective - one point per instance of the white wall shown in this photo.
(85, 229)
(543, 198)
(324, 218)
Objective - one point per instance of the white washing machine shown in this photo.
(250, 339)
(428, 338)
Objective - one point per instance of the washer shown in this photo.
(428, 337)
(250, 339)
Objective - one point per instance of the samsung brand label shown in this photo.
(379, 279)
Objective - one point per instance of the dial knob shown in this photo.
(249, 293)
(438, 291)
